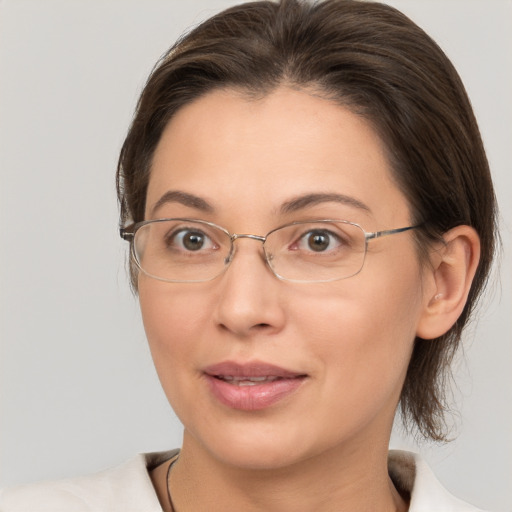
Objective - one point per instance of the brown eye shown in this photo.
(190, 240)
(318, 241)
(193, 241)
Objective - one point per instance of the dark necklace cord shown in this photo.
(168, 486)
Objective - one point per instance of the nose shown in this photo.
(250, 297)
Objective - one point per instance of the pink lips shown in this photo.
(251, 386)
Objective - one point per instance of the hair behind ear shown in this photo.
(453, 264)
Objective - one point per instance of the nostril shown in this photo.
(256, 327)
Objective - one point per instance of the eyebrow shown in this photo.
(184, 198)
(296, 204)
(307, 200)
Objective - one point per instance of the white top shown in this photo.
(128, 488)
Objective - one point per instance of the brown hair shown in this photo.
(372, 59)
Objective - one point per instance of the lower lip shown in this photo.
(253, 397)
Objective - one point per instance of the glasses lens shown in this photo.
(316, 251)
(179, 250)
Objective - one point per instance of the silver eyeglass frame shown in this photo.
(128, 233)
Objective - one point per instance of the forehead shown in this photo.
(250, 156)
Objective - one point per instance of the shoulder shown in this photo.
(411, 474)
(125, 488)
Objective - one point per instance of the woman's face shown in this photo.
(317, 366)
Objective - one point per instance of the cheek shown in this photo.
(173, 317)
(363, 332)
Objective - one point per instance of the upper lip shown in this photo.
(250, 369)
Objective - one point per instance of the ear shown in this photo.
(453, 268)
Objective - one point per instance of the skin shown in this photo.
(324, 447)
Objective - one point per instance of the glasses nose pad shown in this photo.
(269, 258)
(229, 258)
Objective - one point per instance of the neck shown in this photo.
(355, 480)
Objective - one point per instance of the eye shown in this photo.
(190, 240)
(319, 240)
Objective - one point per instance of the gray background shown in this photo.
(77, 388)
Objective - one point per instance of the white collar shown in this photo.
(128, 487)
(411, 474)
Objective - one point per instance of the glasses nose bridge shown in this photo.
(236, 236)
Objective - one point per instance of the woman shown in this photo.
(311, 219)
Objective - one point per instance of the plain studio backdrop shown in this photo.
(78, 389)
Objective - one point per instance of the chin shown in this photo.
(258, 458)
(257, 446)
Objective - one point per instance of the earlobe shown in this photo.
(454, 266)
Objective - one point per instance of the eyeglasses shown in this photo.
(193, 251)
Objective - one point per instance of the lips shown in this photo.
(251, 386)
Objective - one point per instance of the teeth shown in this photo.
(247, 381)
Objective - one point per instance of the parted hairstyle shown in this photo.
(373, 60)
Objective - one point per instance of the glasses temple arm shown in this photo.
(378, 234)
(126, 233)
